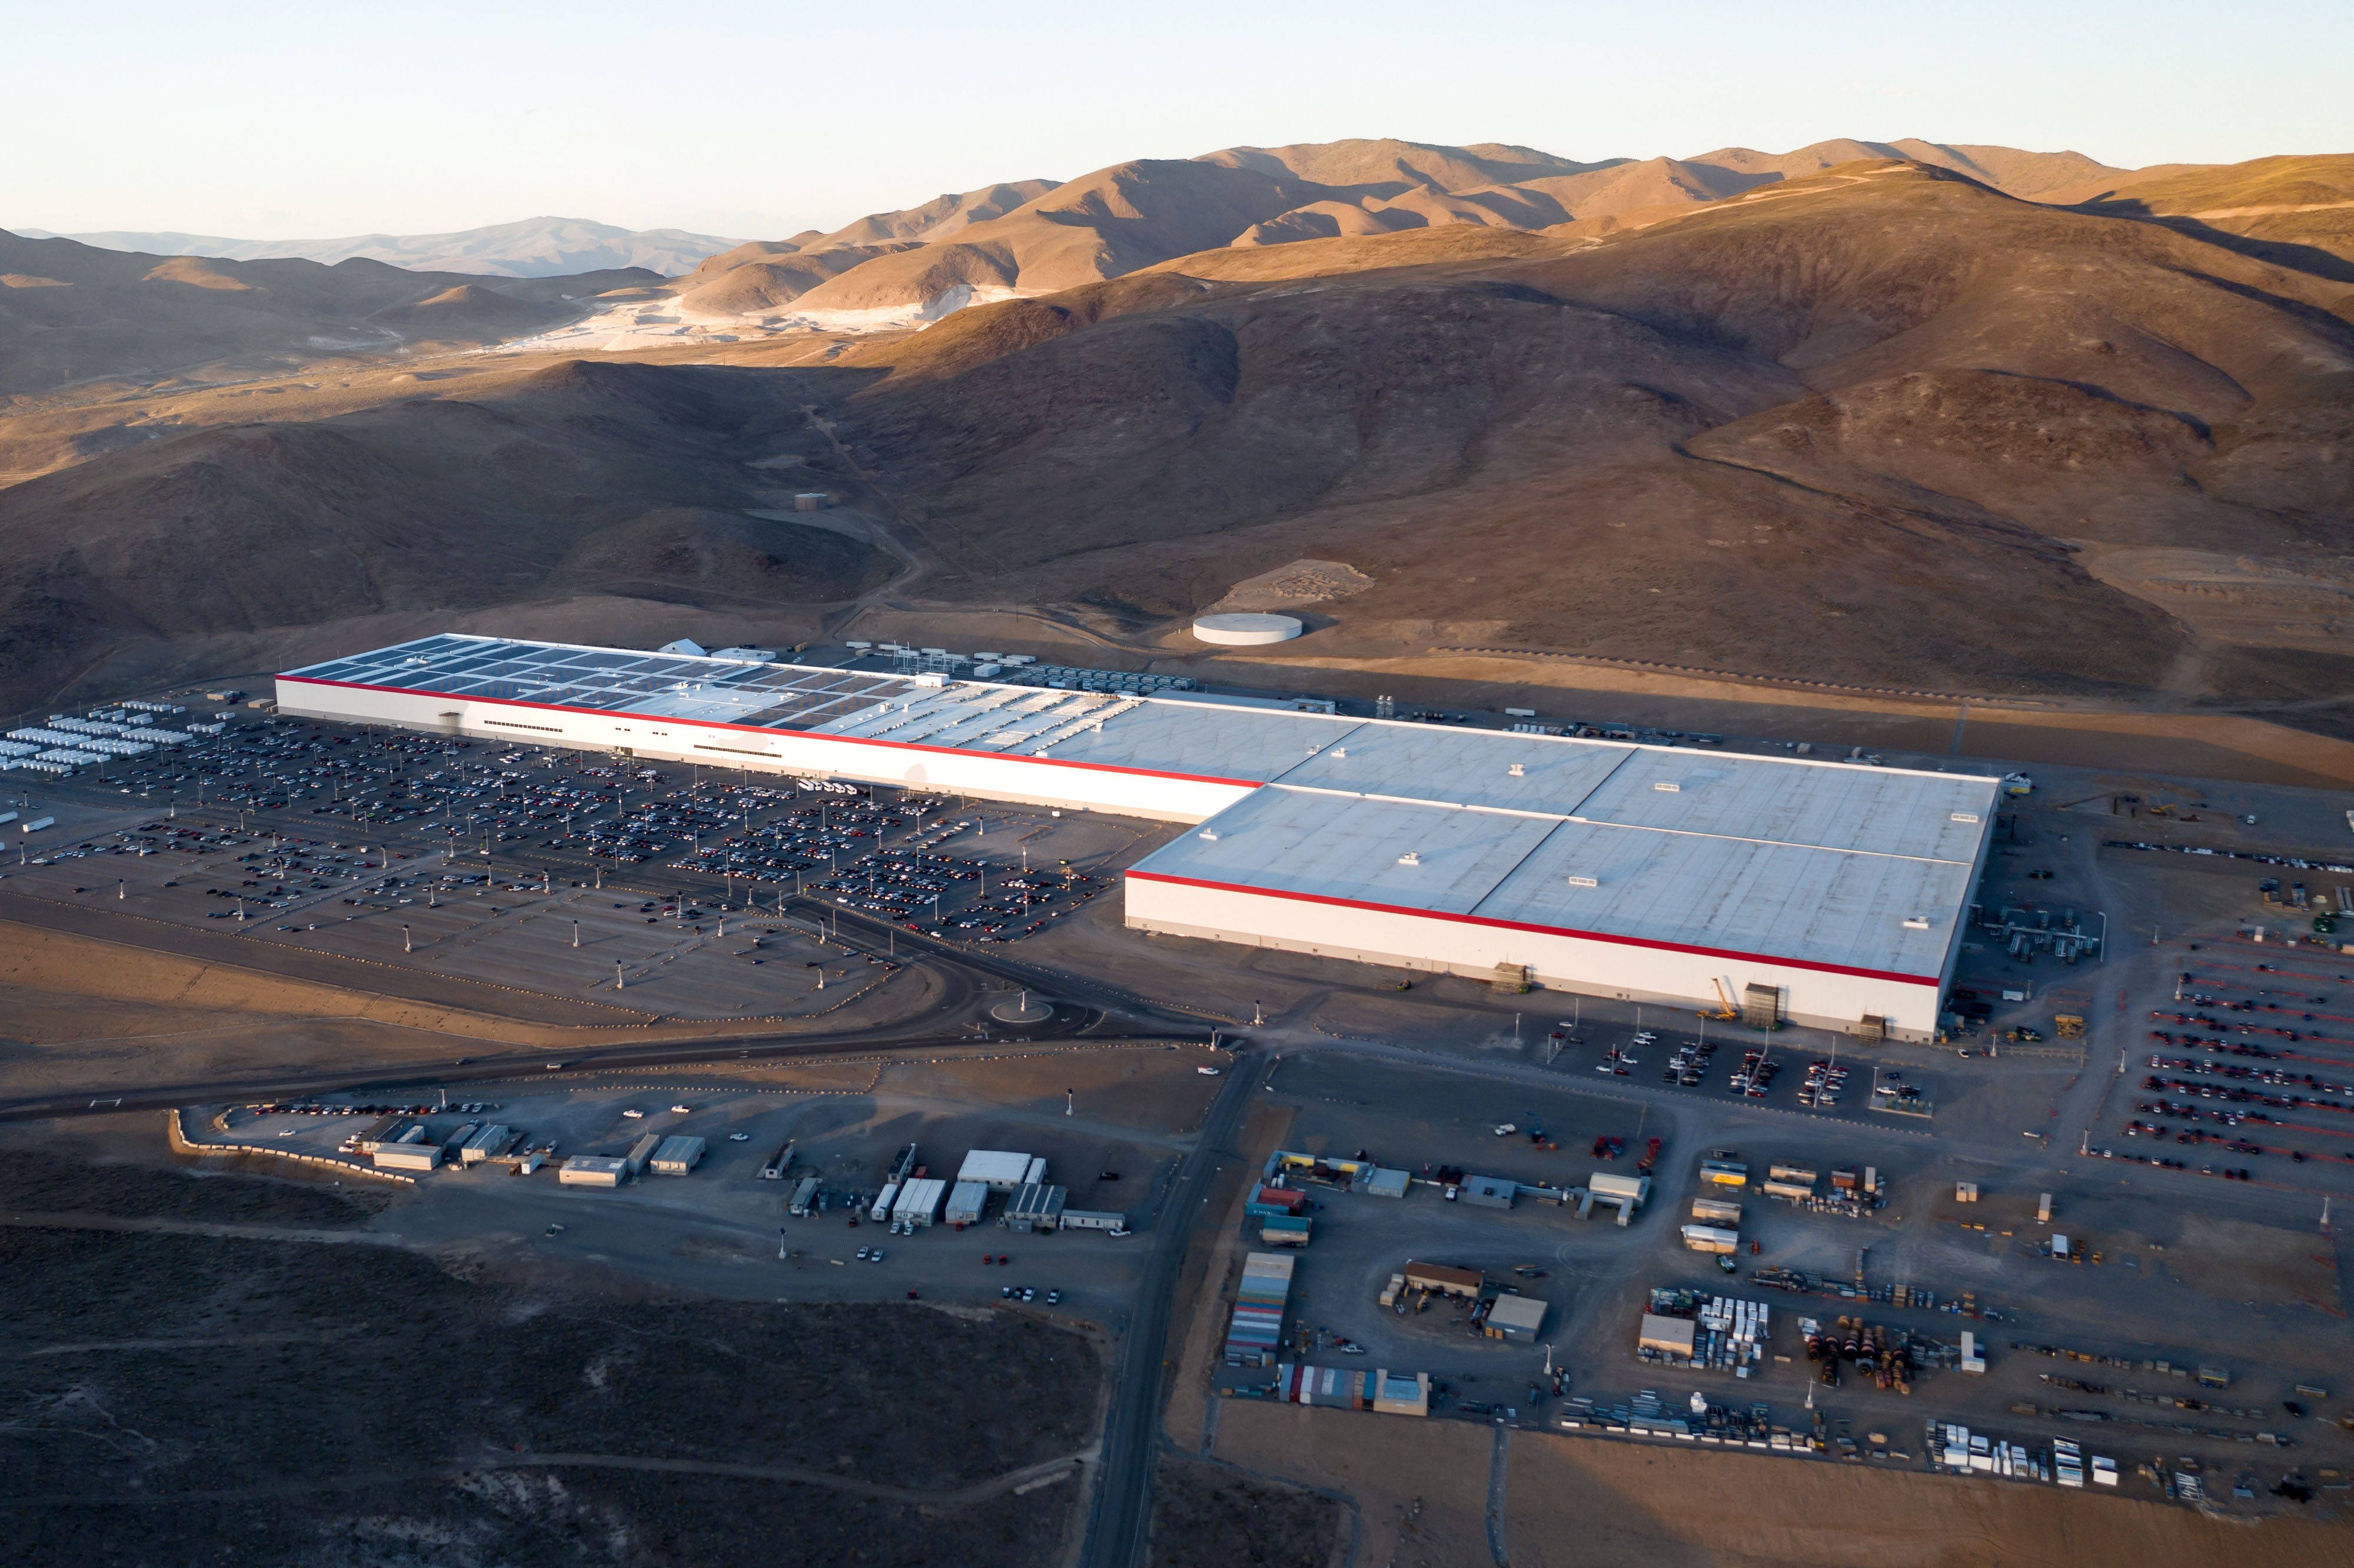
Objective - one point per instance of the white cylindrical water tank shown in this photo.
(1246, 631)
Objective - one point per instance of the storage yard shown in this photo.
(2092, 1214)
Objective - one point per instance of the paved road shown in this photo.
(1123, 1502)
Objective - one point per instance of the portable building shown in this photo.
(677, 1155)
(1437, 1278)
(967, 1202)
(1716, 1212)
(883, 1202)
(1711, 1238)
(1036, 1175)
(1401, 1394)
(1670, 1336)
(1093, 1220)
(1034, 1206)
(919, 1200)
(1515, 1318)
(1627, 1193)
(407, 1156)
(488, 1144)
(804, 1196)
(1489, 1191)
(642, 1152)
(1386, 1183)
(593, 1170)
(995, 1168)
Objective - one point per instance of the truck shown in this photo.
(804, 1198)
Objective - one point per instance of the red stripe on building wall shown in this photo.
(799, 734)
(1539, 931)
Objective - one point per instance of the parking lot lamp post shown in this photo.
(406, 946)
(575, 933)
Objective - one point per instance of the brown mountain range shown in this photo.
(1882, 423)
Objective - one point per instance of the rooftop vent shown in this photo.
(1667, 786)
(1517, 772)
(1917, 923)
(1966, 816)
(1410, 857)
(1211, 835)
(1583, 882)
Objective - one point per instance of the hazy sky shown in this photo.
(267, 121)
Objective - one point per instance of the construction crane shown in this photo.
(1724, 1012)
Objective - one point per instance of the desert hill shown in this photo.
(72, 312)
(1034, 236)
(1883, 419)
(533, 484)
(1882, 423)
(2297, 211)
(534, 248)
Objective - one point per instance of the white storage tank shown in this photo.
(1246, 631)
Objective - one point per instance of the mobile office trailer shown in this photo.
(593, 1170)
(967, 1202)
(640, 1152)
(884, 1201)
(677, 1155)
(1710, 1238)
(1034, 1206)
(999, 1169)
(1093, 1220)
(409, 1157)
(919, 1200)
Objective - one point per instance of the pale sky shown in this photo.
(281, 120)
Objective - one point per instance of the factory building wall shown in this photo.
(1561, 962)
(1030, 780)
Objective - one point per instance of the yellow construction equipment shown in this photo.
(1724, 1012)
(2068, 1026)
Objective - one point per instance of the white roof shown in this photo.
(994, 1165)
(1826, 864)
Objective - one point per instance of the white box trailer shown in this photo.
(804, 1197)
(883, 1202)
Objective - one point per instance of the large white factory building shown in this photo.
(1826, 892)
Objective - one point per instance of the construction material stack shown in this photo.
(1257, 1325)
